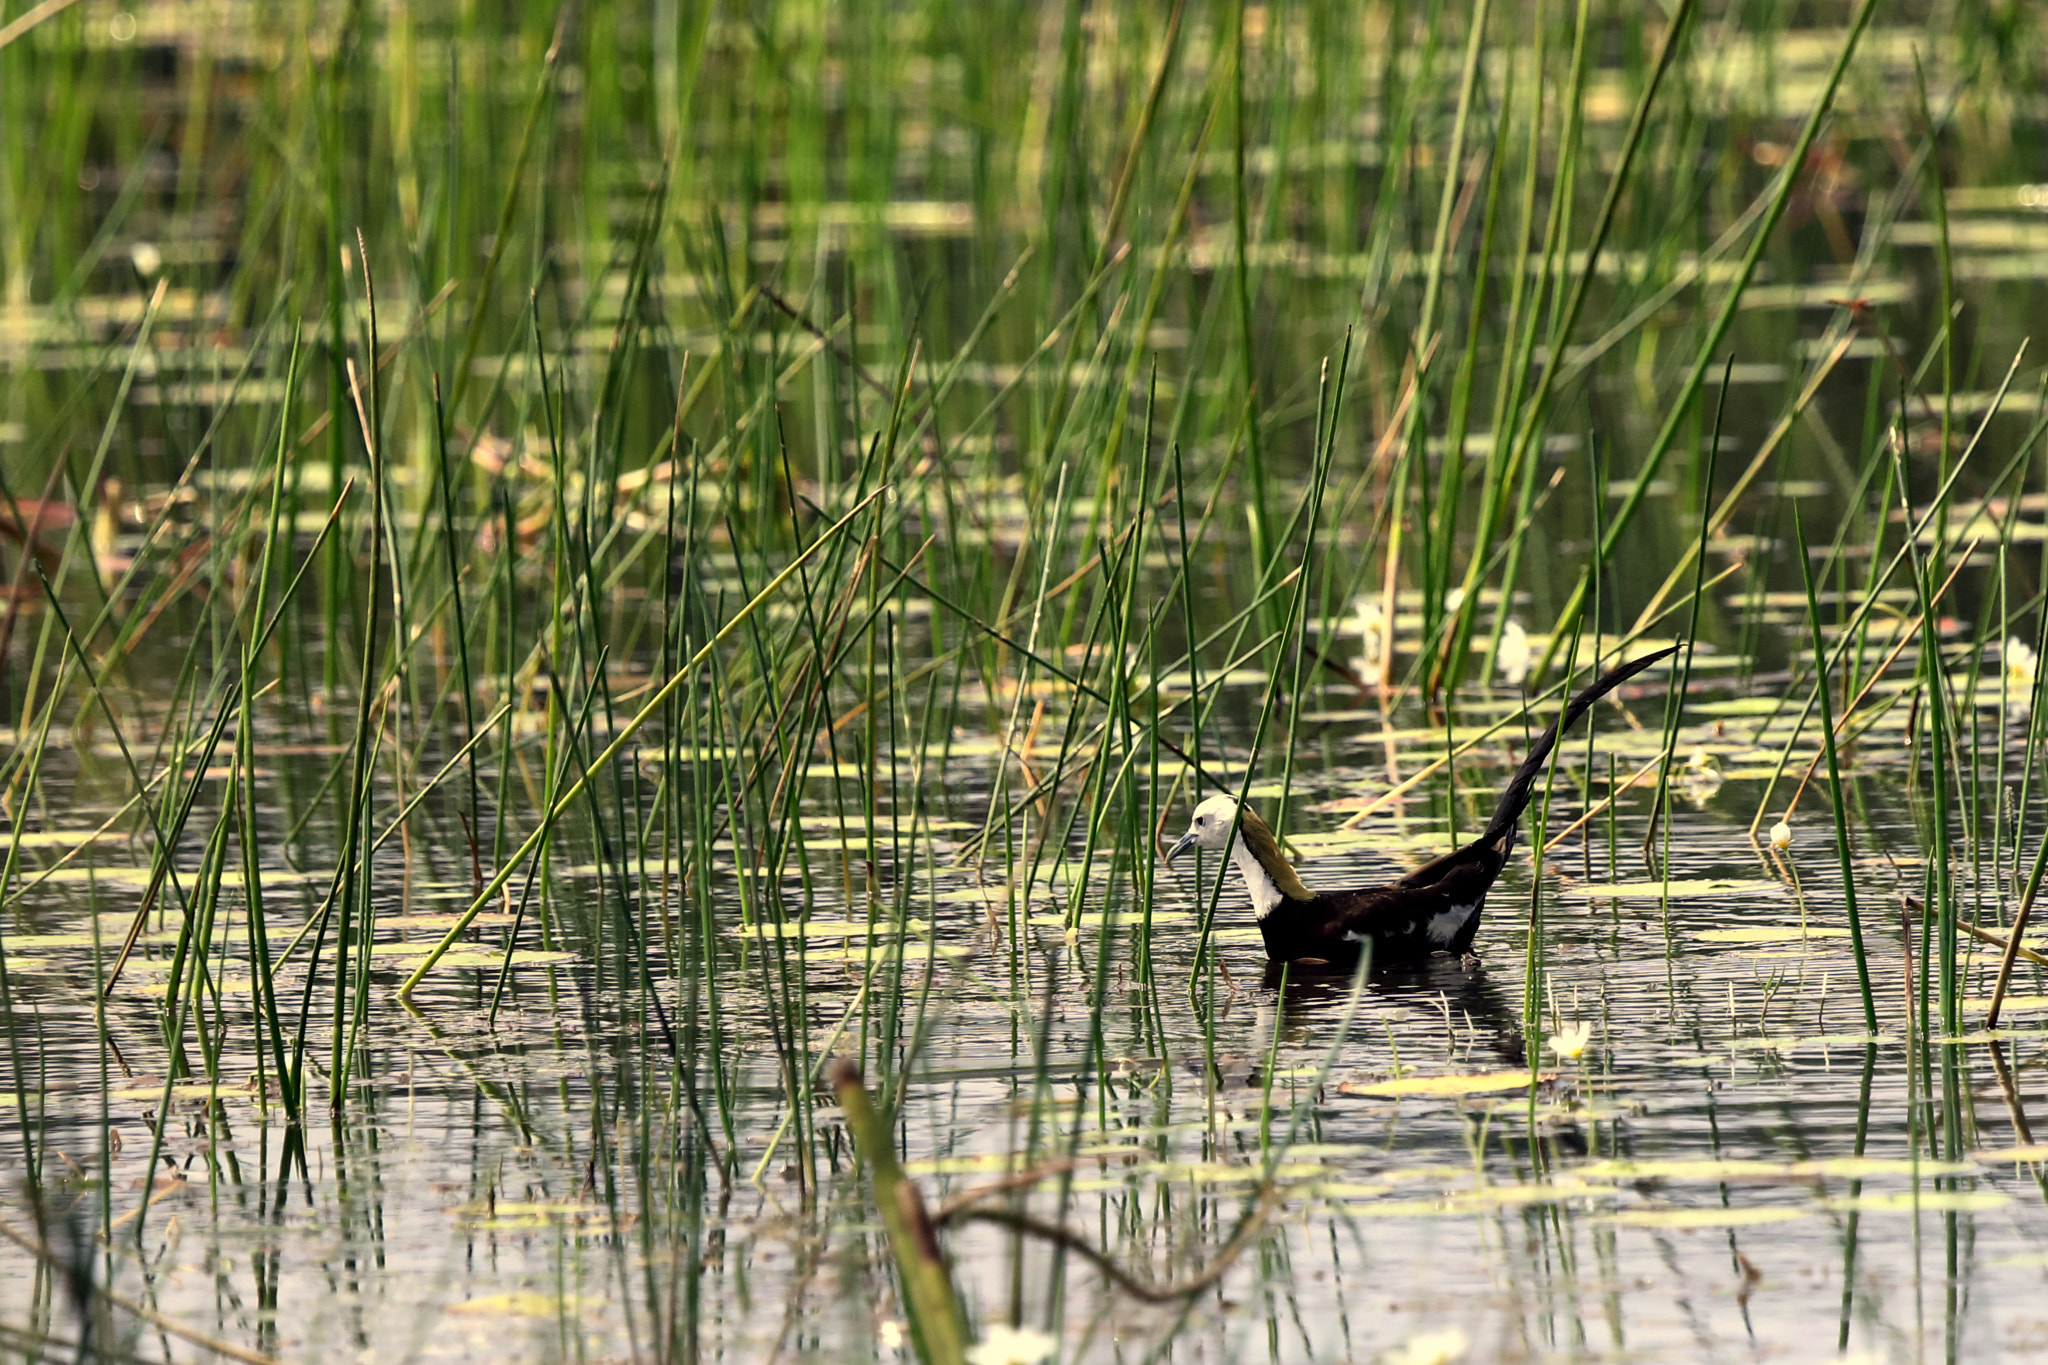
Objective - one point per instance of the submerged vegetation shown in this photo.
(612, 607)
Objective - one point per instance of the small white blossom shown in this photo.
(2021, 663)
(1781, 836)
(1003, 1344)
(148, 260)
(1511, 659)
(1570, 1041)
(890, 1334)
(1431, 1348)
(1371, 624)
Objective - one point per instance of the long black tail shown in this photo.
(1515, 799)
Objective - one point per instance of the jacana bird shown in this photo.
(1434, 909)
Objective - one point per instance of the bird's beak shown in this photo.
(1181, 845)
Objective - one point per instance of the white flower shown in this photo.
(1511, 659)
(1781, 836)
(1371, 624)
(890, 1334)
(148, 260)
(1003, 1344)
(1700, 761)
(1431, 1348)
(2021, 662)
(1570, 1041)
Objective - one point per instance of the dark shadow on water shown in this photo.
(1441, 988)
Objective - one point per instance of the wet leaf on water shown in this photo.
(1767, 933)
(1863, 1167)
(1923, 1201)
(837, 928)
(523, 1304)
(1737, 706)
(61, 838)
(1444, 1087)
(2014, 1004)
(1678, 1219)
(183, 1090)
(71, 940)
(860, 952)
(1678, 889)
(521, 957)
(442, 923)
(1092, 919)
(996, 894)
(1704, 1168)
(1402, 1208)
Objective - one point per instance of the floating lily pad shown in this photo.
(996, 895)
(1863, 1167)
(442, 923)
(1767, 933)
(1677, 1219)
(80, 939)
(1092, 919)
(1737, 706)
(1923, 1201)
(1445, 1087)
(1402, 1208)
(860, 952)
(1683, 888)
(1703, 1168)
(1827, 1040)
(183, 1090)
(521, 957)
(516, 1305)
(2014, 1004)
(62, 838)
(839, 928)
(1847, 1040)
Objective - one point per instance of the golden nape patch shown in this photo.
(1258, 837)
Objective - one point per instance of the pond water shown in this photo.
(1725, 1163)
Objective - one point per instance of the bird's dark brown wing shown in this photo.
(1395, 914)
(1491, 854)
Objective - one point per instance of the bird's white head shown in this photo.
(1210, 827)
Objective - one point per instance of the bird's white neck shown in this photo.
(1258, 882)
